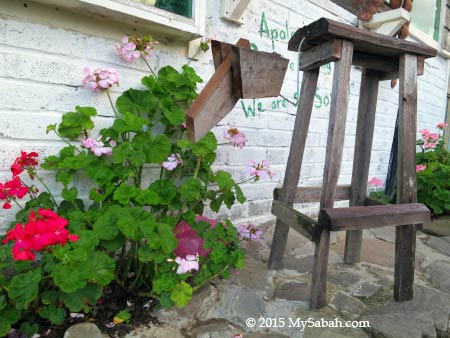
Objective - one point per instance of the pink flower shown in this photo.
(187, 264)
(172, 162)
(98, 147)
(134, 47)
(237, 138)
(420, 167)
(376, 182)
(429, 137)
(442, 125)
(250, 232)
(259, 170)
(238, 335)
(100, 79)
(428, 145)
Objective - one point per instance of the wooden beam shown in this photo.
(389, 22)
(365, 126)
(395, 74)
(372, 201)
(335, 144)
(232, 10)
(363, 40)
(312, 194)
(375, 62)
(322, 54)
(354, 218)
(405, 235)
(301, 223)
(294, 164)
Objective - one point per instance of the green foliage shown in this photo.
(433, 183)
(126, 234)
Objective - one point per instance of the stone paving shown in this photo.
(361, 292)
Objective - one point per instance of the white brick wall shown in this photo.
(43, 52)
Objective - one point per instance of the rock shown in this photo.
(441, 244)
(301, 265)
(366, 290)
(344, 279)
(83, 330)
(347, 305)
(265, 335)
(438, 227)
(280, 308)
(439, 273)
(212, 330)
(373, 251)
(153, 332)
(425, 316)
(254, 276)
(318, 332)
(293, 291)
(384, 233)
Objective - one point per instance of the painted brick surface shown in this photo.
(43, 53)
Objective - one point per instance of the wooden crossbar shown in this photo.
(356, 218)
(312, 194)
(294, 219)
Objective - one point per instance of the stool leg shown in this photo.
(361, 160)
(333, 159)
(405, 235)
(292, 175)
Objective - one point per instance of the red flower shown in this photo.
(7, 205)
(27, 159)
(16, 188)
(42, 230)
(16, 169)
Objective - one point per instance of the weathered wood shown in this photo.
(364, 41)
(292, 175)
(405, 236)
(395, 74)
(322, 54)
(301, 223)
(257, 74)
(375, 62)
(312, 194)
(333, 159)
(363, 217)
(361, 160)
(216, 99)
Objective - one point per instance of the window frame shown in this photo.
(158, 20)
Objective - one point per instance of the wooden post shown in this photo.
(405, 236)
(361, 160)
(333, 159)
(292, 175)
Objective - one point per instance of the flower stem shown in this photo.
(17, 203)
(65, 141)
(143, 58)
(251, 178)
(48, 190)
(112, 105)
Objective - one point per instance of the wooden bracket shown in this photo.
(389, 22)
(232, 10)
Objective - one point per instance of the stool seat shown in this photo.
(364, 41)
(362, 217)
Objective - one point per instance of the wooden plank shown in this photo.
(363, 217)
(322, 54)
(364, 41)
(257, 74)
(405, 236)
(296, 152)
(365, 126)
(380, 19)
(375, 62)
(216, 99)
(312, 194)
(333, 158)
(301, 223)
(395, 74)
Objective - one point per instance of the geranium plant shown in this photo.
(146, 236)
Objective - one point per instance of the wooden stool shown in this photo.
(381, 58)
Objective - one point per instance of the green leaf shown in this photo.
(147, 197)
(120, 126)
(80, 299)
(224, 180)
(105, 226)
(172, 112)
(135, 101)
(165, 282)
(3, 303)
(128, 222)
(239, 194)
(124, 193)
(86, 111)
(147, 225)
(135, 123)
(165, 300)
(114, 244)
(158, 149)
(191, 189)
(122, 316)
(122, 152)
(183, 143)
(23, 288)
(7, 318)
(181, 294)
(168, 240)
(54, 314)
(69, 194)
(165, 189)
(101, 268)
(206, 146)
(70, 277)
(29, 329)
(50, 127)
(73, 123)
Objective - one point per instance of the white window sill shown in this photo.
(157, 20)
(418, 36)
